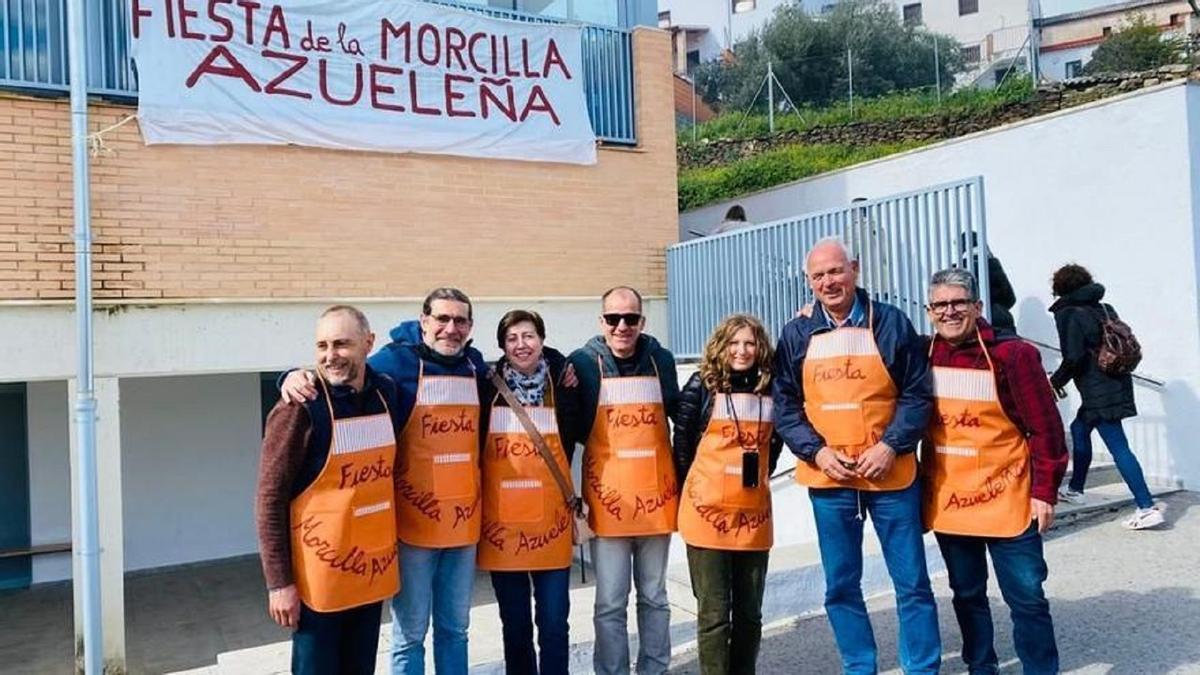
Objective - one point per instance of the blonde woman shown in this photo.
(725, 449)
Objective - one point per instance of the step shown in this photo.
(1099, 474)
(1103, 499)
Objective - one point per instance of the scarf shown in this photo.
(530, 389)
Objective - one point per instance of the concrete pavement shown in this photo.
(1124, 603)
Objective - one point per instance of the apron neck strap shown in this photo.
(983, 347)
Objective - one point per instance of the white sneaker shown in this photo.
(1071, 496)
(1144, 519)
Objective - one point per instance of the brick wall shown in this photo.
(259, 221)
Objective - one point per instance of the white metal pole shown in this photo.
(937, 70)
(770, 96)
(850, 73)
(85, 401)
(695, 121)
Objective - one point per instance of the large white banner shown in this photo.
(392, 76)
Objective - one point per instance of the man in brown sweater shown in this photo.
(324, 505)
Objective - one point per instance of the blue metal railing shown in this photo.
(33, 57)
(899, 240)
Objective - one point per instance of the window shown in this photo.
(664, 19)
(967, 7)
(971, 54)
(1107, 31)
(740, 6)
(693, 61)
(1176, 19)
(912, 14)
(1074, 68)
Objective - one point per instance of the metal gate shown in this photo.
(899, 241)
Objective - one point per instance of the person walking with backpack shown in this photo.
(1099, 353)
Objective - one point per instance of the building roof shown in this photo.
(1113, 8)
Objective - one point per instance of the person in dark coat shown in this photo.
(1107, 399)
(1000, 290)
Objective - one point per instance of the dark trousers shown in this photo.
(336, 643)
(728, 586)
(552, 600)
(1020, 571)
(1113, 435)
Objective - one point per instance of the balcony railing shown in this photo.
(33, 57)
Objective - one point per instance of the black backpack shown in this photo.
(1119, 352)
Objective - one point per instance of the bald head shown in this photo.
(829, 248)
(833, 275)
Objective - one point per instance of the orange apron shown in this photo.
(976, 464)
(343, 525)
(850, 398)
(437, 485)
(717, 510)
(628, 477)
(526, 523)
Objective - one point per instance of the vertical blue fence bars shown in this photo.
(900, 241)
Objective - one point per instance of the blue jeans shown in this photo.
(1113, 435)
(1020, 571)
(552, 595)
(435, 581)
(896, 516)
(336, 643)
(617, 560)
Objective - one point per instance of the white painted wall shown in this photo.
(189, 462)
(49, 477)
(1111, 185)
(223, 337)
(994, 16)
(724, 26)
(1054, 64)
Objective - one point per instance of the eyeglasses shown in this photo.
(957, 306)
(445, 319)
(631, 319)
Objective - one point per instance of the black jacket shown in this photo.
(1003, 297)
(695, 411)
(488, 396)
(650, 358)
(1106, 398)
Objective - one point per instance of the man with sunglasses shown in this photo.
(436, 477)
(628, 389)
(852, 399)
(992, 461)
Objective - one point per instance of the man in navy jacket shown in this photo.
(853, 396)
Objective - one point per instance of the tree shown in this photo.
(1137, 46)
(809, 56)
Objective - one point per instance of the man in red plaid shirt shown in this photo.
(992, 462)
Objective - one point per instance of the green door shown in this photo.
(15, 572)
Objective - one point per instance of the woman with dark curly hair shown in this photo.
(1107, 399)
(725, 449)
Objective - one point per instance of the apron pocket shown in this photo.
(960, 467)
(842, 425)
(521, 501)
(452, 476)
(736, 495)
(638, 470)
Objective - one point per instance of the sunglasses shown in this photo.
(614, 320)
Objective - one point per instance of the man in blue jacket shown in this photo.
(437, 483)
(853, 396)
